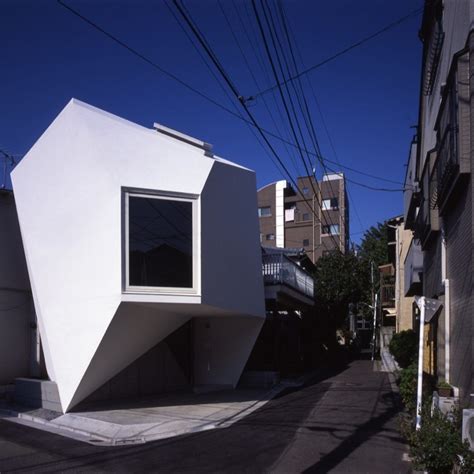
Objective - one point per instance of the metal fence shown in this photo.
(278, 269)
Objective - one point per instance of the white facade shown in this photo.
(280, 187)
(73, 190)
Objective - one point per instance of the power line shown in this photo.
(193, 89)
(300, 97)
(237, 112)
(201, 39)
(236, 40)
(345, 50)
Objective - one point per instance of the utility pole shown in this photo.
(4, 181)
(374, 307)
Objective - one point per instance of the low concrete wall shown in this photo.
(16, 306)
(37, 393)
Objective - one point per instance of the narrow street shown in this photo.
(346, 422)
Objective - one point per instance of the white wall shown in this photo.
(69, 199)
(231, 251)
(222, 347)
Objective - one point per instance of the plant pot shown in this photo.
(445, 391)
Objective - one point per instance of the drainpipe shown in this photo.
(422, 305)
(447, 305)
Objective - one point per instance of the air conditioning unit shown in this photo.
(468, 426)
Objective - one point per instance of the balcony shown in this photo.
(453, 133)
(448, 164)
(427, 219)
(387, 286)
(413, 269)
(411, 194)
(285, 280)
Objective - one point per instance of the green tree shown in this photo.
(339, 280)
(374, 245)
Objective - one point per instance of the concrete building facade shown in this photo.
(315, 218)
(439, 187)
(119, 226)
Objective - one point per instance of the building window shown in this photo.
(161, 244)
(332, 229)
(305, 191)
(330, 204)
(305, 216)
(270, 237)
(264, 211)
(306, 243)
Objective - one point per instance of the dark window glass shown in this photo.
(306, 216)
(160, 242)
(305, 242)
(264, 211)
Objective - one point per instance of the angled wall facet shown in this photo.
(69, 197)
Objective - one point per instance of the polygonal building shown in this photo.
(131, 234)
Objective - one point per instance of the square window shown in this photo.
(161, 245)
(305, 191)
(270, 237)
(306, 243)
(330, 204)
(305, 216)
(332, 229)
(264, 211)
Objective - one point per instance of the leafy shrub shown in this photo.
(408, 386)
(404, 347)
(437, 446)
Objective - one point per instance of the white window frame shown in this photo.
(195, 290)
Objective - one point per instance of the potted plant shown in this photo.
(444, 389)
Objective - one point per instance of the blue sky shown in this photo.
(368, 97)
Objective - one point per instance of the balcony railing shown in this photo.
(387, 291)
(411, 194)
(413, 269)
(427, 219)
(447, 164)
(278, 269)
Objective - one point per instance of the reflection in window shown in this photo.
(160, 242)
(332, 229)
(264, 211)
(330, 204)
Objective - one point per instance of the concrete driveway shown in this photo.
(345, 422)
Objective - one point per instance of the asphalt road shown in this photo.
(346, 422)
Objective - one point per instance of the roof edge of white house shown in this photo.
(270, 184)
(166, 132)
(333, 176)
(109, 115)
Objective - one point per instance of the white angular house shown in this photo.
(129, 233)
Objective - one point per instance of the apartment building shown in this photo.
(439, 189)
(315, 219)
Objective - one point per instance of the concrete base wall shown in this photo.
(37, 393)
(16, 306)
(164, 368)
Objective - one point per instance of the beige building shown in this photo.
(314, 218)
